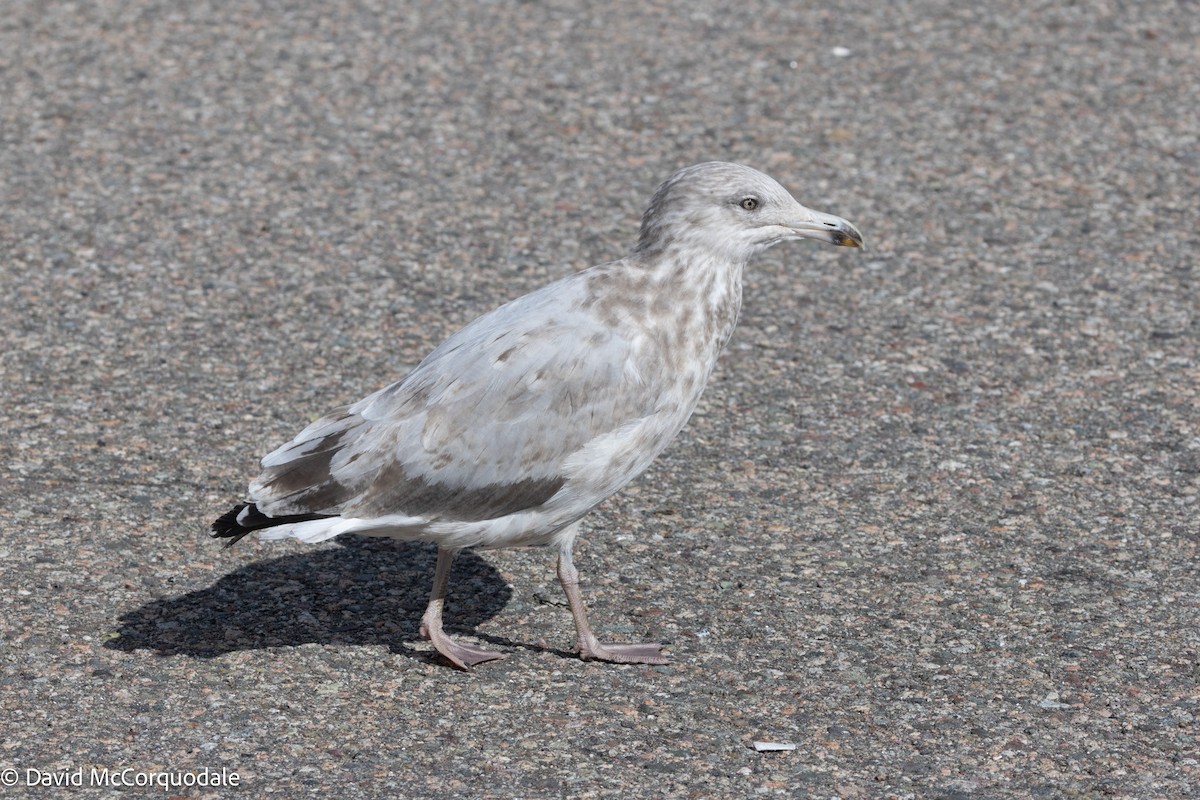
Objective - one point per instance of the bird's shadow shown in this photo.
(366, 592)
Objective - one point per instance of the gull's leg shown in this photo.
(461, 655)
(589, 646)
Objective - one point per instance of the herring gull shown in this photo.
(519, 424)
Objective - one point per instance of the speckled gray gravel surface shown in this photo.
(935, 523)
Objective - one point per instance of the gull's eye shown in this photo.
(749, 203)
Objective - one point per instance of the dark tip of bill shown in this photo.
(847, 239)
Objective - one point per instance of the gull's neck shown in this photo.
(692, 275)
(690, 296)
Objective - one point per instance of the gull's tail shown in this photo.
(246, 518)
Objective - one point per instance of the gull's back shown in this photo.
(513, 427)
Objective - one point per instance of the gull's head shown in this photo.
(735, 211)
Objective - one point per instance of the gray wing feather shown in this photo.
(480, 429)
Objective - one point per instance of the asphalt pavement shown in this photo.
(933, 527)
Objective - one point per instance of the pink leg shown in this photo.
(589, 646)
(461, 655)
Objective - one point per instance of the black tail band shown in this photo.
(228, 527)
